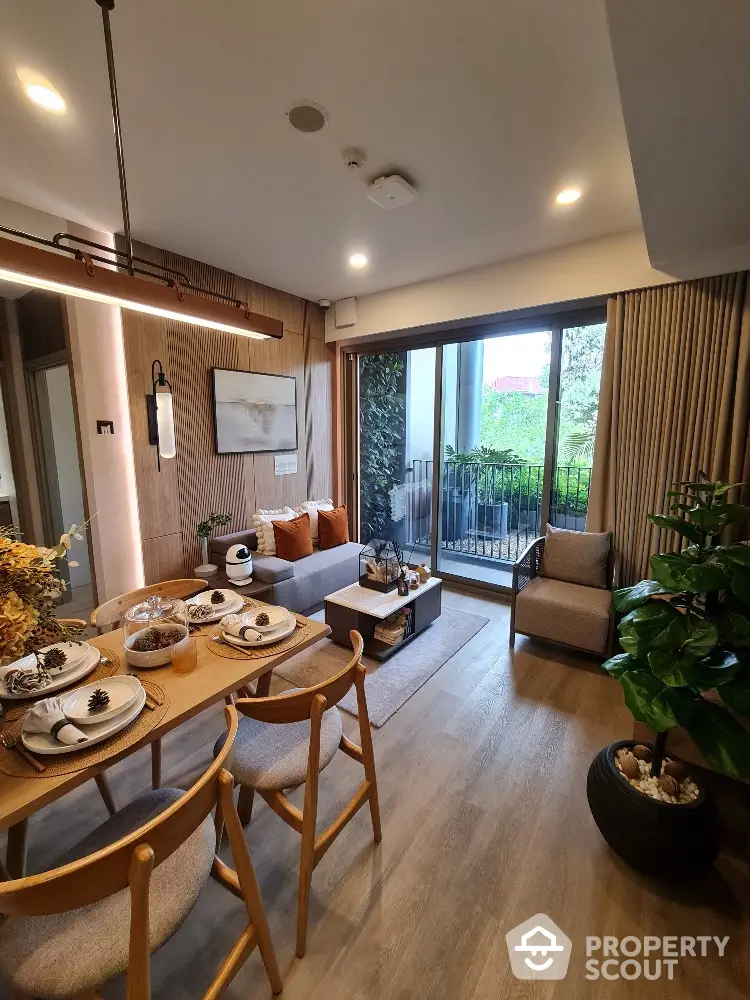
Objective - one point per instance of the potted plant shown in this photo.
(203, 530)
(685, 637)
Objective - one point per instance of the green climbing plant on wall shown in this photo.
(382, 441)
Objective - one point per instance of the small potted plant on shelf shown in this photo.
(685, 637)
(203, 530)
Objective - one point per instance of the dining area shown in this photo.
(170, 667)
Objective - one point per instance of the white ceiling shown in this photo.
(489, 106)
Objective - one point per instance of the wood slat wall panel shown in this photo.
(199, 481)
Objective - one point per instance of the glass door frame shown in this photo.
(553, 323)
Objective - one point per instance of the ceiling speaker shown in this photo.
(307, 117)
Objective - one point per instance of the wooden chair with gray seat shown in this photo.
(286, 741)
(125, 889)
(563, 593)
(107, 617)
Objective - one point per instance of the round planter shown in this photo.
(664, 840)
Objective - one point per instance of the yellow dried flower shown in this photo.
(18, 619)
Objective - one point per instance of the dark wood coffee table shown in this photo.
(358, 608)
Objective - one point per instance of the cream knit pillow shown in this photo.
(263, 524)
(312, 507)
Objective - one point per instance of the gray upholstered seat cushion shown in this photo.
(273, 756)
(55, 956)
(565, 612)
(271, 569)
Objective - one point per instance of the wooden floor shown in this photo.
(482, 785)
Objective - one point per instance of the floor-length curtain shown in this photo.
(674, 400)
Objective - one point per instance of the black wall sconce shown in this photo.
(160, 415)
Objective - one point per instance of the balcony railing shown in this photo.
(492, 511)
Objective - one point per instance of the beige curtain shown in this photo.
(675, 400)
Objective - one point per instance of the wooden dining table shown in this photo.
(212, 680)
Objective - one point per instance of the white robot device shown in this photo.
(239, 565)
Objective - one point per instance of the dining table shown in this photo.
(213, 679)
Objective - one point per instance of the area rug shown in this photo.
(391, 683)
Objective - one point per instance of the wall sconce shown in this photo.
(160, 415)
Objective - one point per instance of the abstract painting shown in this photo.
(254, 412)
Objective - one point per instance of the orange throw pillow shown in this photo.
(333, 527)
(292, 538)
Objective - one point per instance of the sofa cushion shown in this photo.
(576, 556)
(271, 569)
(333, 527)
(263, 524)
(292, 538)
(312, 507)
(565, 612)
(318, 575)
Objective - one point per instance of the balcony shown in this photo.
(490, 511)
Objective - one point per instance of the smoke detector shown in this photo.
(391, 192)
(353, 158)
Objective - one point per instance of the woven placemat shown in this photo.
(14, 764)
(303, 631)
(209, 628)
(107, 666)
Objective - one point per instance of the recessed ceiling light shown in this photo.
(307, 117)
(358, 261)
(38, 89)
(568, 195)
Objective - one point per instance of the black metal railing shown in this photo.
(490, 510)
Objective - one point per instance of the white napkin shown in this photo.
(235, 625)
(47, 717)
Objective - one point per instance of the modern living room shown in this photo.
(374, 500)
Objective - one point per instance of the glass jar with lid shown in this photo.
(155, 631)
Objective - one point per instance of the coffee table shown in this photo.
(358, 608)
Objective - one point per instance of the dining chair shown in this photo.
(108, 615)
(126, 888)
(286, 741)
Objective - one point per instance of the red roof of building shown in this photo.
(517, 383)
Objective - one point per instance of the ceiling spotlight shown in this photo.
(38, 89)
(358, 261)
(568, 196)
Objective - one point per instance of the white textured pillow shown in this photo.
(263, 524)
(312, 507)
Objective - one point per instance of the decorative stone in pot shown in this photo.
(663, 837)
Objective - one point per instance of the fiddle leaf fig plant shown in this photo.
(687, 631)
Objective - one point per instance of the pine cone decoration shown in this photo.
(669, 785)
(674, 769)
(642, 752)
(217, 597)
(262, 619)
(98, 700)
(54, 659)
(629, 766)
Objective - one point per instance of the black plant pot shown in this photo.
(664, 840)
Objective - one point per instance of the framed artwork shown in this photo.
(254, 412)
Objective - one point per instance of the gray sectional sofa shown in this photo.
(299, 586)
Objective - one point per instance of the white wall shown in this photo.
(598, 267)
(67, 466)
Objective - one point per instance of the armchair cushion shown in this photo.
(271, 569)
(565, 612)
(576, 556)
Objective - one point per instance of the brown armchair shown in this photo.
(557, 611)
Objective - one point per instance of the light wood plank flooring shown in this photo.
(482, 785)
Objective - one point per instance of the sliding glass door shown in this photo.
(466, 450)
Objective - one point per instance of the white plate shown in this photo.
(74, 654)
(232, 604)
(276, 618)
(265, 640)
(90, 660)
(46, 745)
(122, 691)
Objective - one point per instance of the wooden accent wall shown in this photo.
(198, 481)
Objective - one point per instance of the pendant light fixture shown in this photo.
(84, 269)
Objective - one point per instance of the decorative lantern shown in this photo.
(379, 565)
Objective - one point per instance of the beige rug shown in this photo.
(391, 683)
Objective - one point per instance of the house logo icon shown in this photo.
(538, 949)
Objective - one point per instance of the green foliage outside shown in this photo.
(382, 438)
(687, 631)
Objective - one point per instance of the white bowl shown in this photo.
(154, 657)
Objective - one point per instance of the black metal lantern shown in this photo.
(379, 565)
